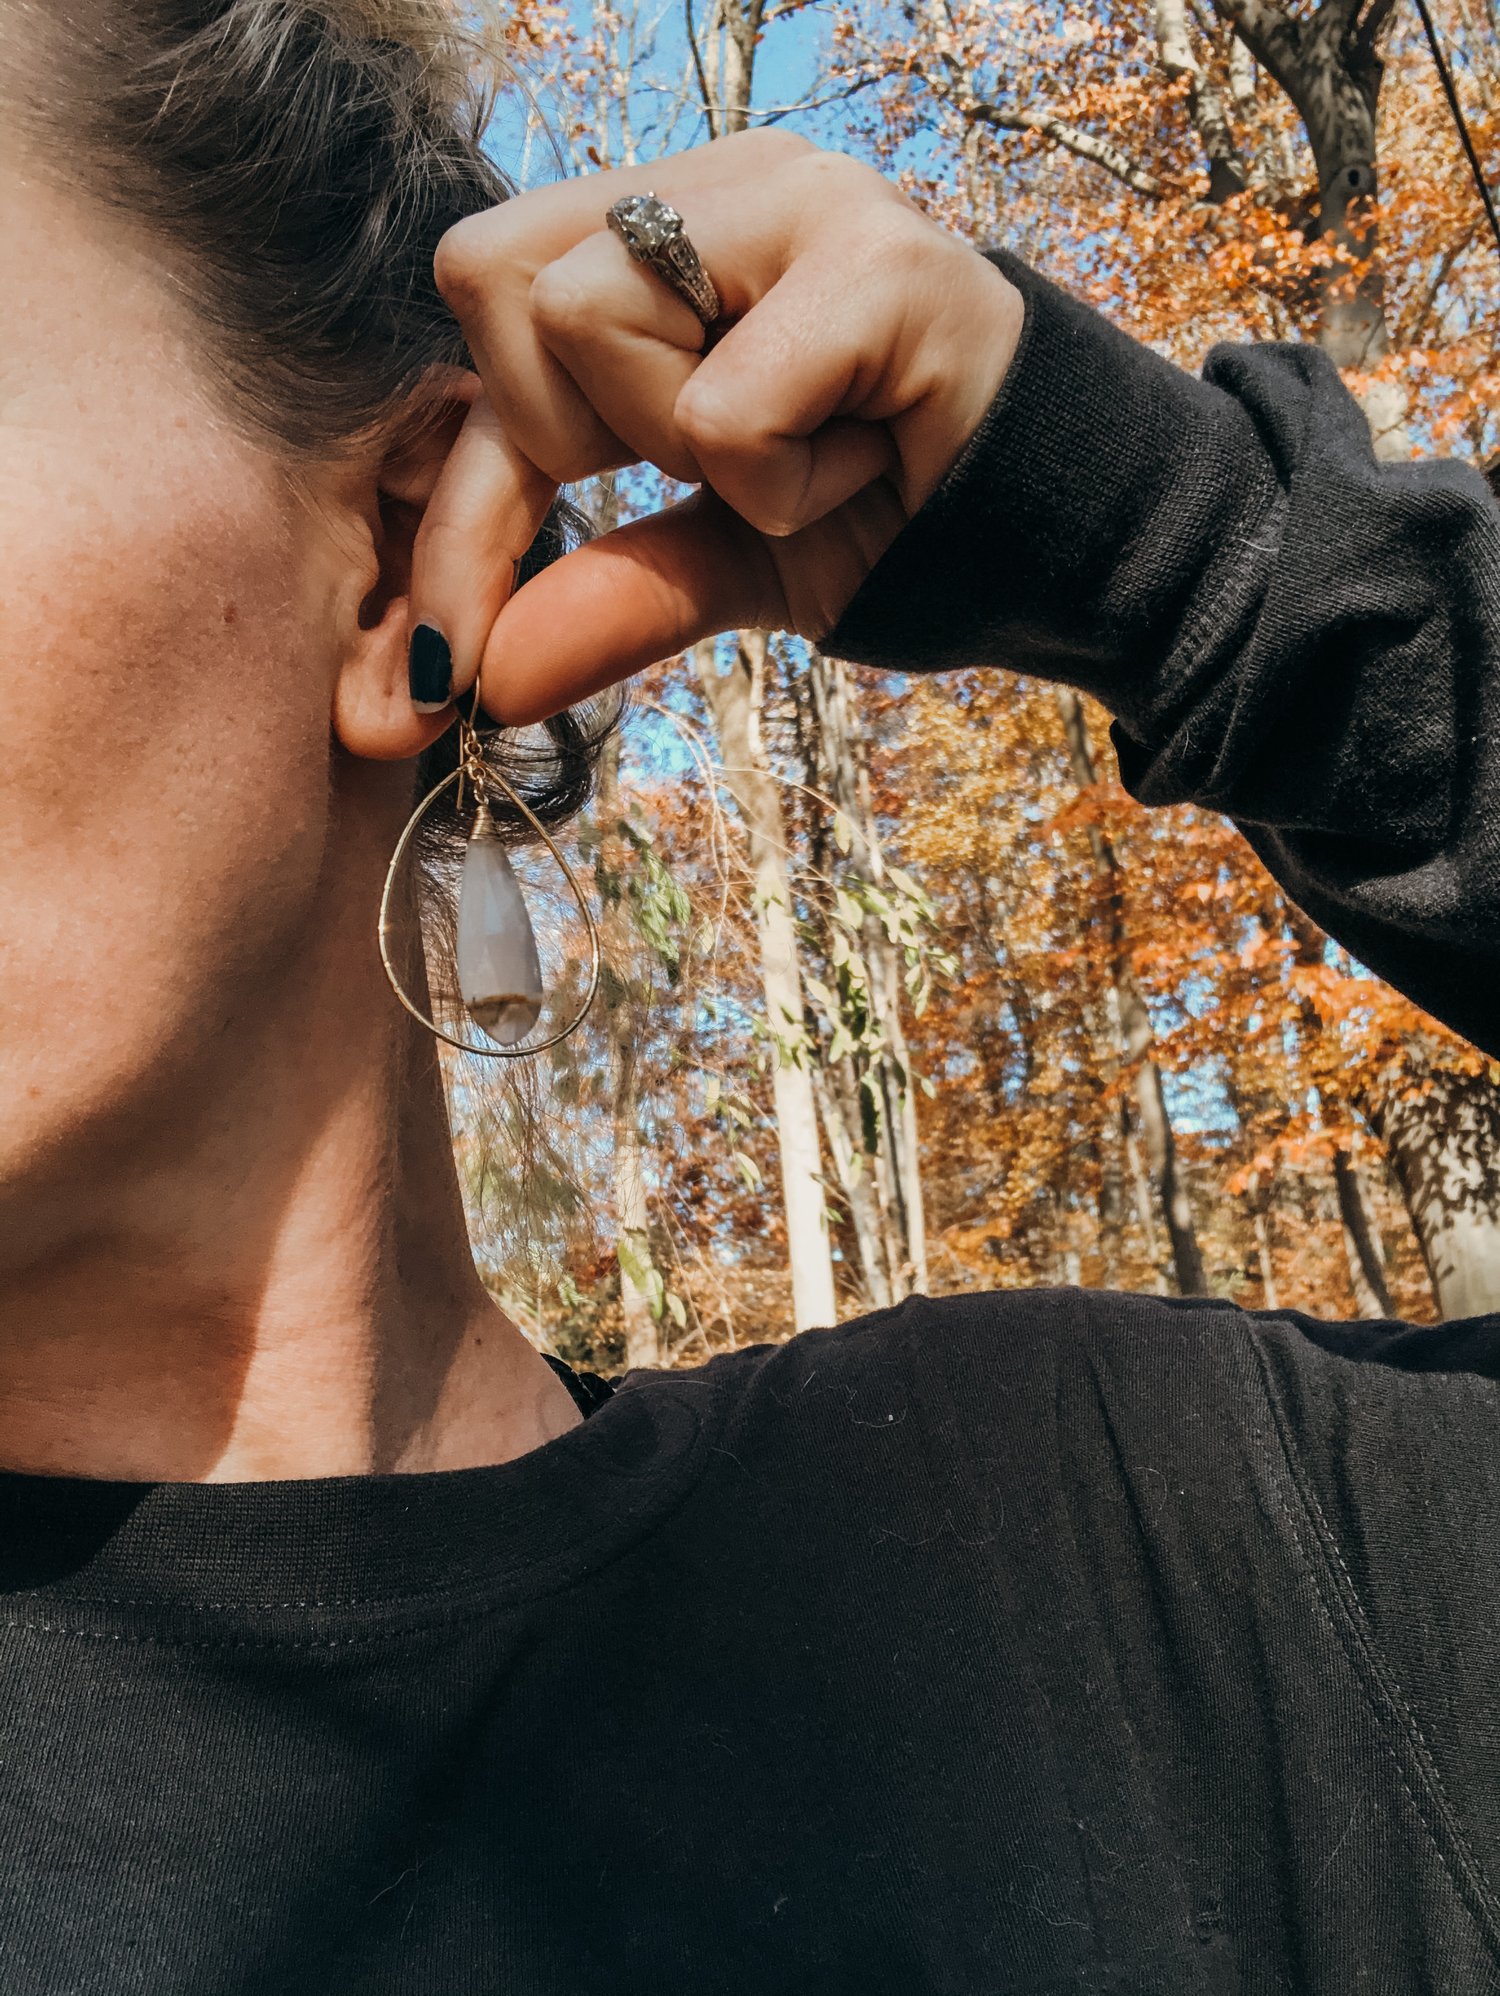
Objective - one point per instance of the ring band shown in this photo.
(653, 232)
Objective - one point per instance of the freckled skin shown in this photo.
(164, 804)
(230, 1237)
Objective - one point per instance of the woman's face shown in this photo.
(171, 615)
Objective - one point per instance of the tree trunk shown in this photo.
(1362, 1250)
(643, 1341)
(734, 700)
(724, 68)
(1372, 1296)
(1444, 1147)
(1330, 64)
(856, 1182)
(724, 63)
(847, 776)
(1161, 1149)
(1260, 1206)
(1136, 1032)
(1226, 171)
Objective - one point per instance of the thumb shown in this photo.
(649, 590)
(620, 603)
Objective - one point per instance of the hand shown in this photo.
(862, 346)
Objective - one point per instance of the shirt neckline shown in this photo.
(394, 1547)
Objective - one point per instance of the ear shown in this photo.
(373, 715)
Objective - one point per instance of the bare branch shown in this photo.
(1335, 19)
(1241, 73)
(773, 113)
(1365, 50)
(1084, 145)
(1279, 40)
(703, 90)
(1275, 38)
(1419, 311)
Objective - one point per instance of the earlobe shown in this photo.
(373, 715)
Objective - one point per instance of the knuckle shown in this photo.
(896, 243)
(561, 466)
(776, 526)
(442, 539)
(775, 143)
(710, 420)
(582, 457)
(837, 176)
(461, 258)
(768, 505)
(559, 300)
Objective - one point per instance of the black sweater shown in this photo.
(1030, 1643)
(1287, 631)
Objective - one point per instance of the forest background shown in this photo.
(902, 992)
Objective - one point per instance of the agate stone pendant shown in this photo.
(499, 971)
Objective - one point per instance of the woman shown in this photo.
(1022, 1643)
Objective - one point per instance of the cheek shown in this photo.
(164, 713)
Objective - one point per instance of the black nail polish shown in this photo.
(429, 669)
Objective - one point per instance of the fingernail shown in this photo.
(429, 669)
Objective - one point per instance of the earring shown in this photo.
(499, 971)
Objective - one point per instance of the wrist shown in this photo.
(981, 338)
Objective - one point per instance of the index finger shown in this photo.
(486, 508)
(492, 497)
(483, 262)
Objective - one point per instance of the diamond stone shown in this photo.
(647, 223)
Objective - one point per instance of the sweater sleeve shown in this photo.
(1285, 629)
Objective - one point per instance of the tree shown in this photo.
(1224, 179)
(1139, 1065)
(735, 697)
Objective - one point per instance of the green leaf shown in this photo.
(823, 997)
(749, 1170)
(677, 1309)
(843, 832)
(634, 1258)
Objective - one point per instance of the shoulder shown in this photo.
(1072, 1402)
(1038, 1387)
(993, 1347)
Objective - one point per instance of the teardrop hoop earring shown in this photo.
(500, 980)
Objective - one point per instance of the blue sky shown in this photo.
(787, 67)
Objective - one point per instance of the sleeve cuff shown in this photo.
(1085, 527)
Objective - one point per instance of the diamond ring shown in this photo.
(653, 233)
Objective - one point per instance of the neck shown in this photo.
(274, 1279)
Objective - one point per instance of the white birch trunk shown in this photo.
(734, 701)
(643, 1342)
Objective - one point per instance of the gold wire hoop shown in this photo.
(391, 872)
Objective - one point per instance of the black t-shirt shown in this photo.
(1031, 1643)
(1037, 1642)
